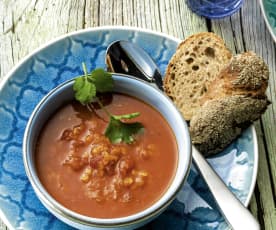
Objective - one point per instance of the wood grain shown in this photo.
(27, 24)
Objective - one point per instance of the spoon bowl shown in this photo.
(126, 58)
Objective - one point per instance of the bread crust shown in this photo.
(220, 121)
(246, 74)
(235, 98)
(196, 62)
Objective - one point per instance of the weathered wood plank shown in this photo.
(264, 199)
(251, 34)
(3, 226)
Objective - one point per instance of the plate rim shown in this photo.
(255, 167)
(8, 75)
(268, 26)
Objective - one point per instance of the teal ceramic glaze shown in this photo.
(269, 12)
(60, 60)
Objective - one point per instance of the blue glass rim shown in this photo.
(213, 15)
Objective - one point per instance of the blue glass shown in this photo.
(214, 8)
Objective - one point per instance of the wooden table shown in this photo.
(26, 24)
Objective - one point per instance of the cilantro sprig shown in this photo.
(118, 131)
(86, 88)
(87, 85)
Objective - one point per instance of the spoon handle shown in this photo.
(234, 212)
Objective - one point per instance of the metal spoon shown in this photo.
(125, 57)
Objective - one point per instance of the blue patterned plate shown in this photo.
(268, 8)
(61, 60)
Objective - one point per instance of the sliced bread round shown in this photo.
(196, 62)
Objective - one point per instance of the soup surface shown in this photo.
(88, 174)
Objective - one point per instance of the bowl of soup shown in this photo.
(89, 182)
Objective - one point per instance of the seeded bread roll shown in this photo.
(196, 62)
(234, 100)
(246, 74)
(220, 121)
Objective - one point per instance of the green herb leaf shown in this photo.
(102, 80)
(86, 86)
(84, 90)
(126, 116)
(118, 131)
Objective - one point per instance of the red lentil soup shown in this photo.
(88, 174)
